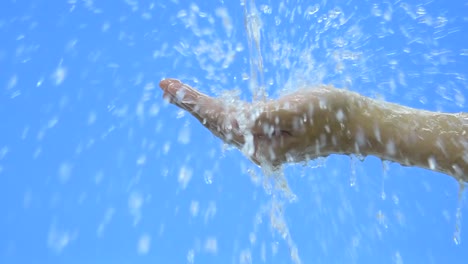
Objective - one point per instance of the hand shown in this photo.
(266, 135)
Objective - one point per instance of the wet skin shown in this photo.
(325, 120)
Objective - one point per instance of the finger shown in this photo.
(169, 85)
(179, 93)
(173, 91)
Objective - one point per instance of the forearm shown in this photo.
(411, 137)
(337, 121)
(436, 141)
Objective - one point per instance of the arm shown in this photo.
(325, 120)
(412, 137)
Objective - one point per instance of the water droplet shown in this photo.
(208, 176)
(384, 176)
(39, 83)
(57, 239)
(194, 208)
(3, 152)
(352, 179)
(91, 118)
(12, 82)
(382, 219)
(340, 115)
(312, 10)
(185, 174)
(184, 135)
(432, 162)
(456, 237)
(376, 11)
(144, 244)
(390, 148)
(180, 114)
(253, 176)
(141, 160)
(398, 259)
(59, 75)
(190, 256)
(421, 11)
(166, 147)
(266, 9)
(65, 171)
(245, 257)
(211, 245)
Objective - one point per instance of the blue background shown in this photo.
(95, 167)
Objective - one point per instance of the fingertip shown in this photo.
(164, 84)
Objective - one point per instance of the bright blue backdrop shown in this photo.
(96, 168)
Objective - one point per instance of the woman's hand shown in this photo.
(266, 132)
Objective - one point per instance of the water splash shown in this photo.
(274, 210)
(274, 181)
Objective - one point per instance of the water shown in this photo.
(458, 215)
(253, 27)
(385, 165)
(96, 167)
